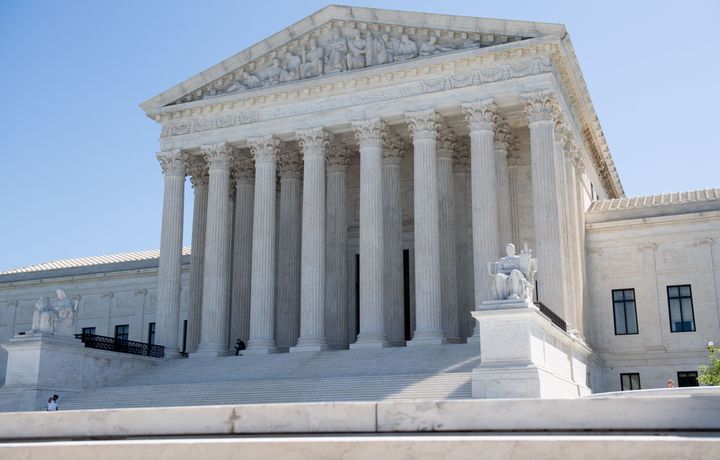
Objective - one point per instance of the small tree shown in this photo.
(710, 374)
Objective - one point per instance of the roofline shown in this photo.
(347, 13)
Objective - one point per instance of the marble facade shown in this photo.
(354, 174)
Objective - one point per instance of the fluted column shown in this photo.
(244, 173)
(539, 108)
(463, 238)
(568, 259)
(287, 317)
(262, 289)
(336, 255)
(503, 136)
(513, 159)
(448, 251)
(313, 143)
(216, 276)
(169, 271)
(481, 117)
(423, 127)
(393, 150)
(369, 135)
(575, 239)
(199, 178)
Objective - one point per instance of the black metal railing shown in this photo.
(100, 342)
(556, 320)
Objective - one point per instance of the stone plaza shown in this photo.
(357, 179)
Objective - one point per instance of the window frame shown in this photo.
(630, 374)
(680, 297)
(152, 327)
(688, 376)
(126, 334)
(86, 330)
(624, 301)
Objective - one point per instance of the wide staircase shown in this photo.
(423, 372)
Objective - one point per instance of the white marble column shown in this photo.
(313, 144)
(199, 178)
(262, 289)
(463, 237)
(513, 159)
(540, 107)
(169, 271)
(336, 253)
(216, 276)
(503, 136)
(244, 172)
(423, 126)
(448, 251)
(393, 150)
(481, 117)
(369, 135)
(575, 239)
(287, 309)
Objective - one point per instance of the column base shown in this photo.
(369, 341)
(172, 353)
(475, 337)
(310, 344)
(264, 347)
(427, 338)
(209, 351)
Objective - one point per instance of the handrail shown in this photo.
(552, 316)
(100, 342)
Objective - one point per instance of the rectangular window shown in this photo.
(687, 379)
(151, 334)
(624, 311)
(629, 382)
(88, 330)
(122, 331)
(680, 305)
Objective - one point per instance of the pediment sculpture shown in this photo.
(55, 316)
(343, 47)
(514, 275)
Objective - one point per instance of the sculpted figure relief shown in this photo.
(356, 56)
(514, 275)
(406, 49)
(382, 50)
(271, 75)
(336, 52)
(53, 316)
(313, 64)
(246, 81)
(291, 71)
(432, 47)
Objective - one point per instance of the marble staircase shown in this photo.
(429, 372)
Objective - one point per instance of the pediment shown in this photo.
(339, 39)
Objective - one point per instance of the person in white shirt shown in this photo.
(52, 405)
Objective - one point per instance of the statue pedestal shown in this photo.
(524, 355)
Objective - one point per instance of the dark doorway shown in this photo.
(357, 295)
(406, 293)
(184, 348)
(687, 379)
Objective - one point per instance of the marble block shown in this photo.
(524, 355)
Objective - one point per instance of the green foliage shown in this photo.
(710, 374)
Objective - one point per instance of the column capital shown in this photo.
(172, 162)
(198, 172)
(264, 149)
(540, 105)
(312, 141)
(446, 143)
(503, 136)
(217, 156)
(337, 156)
(289, 164)
(462, 157)
(481, 115)
(243, 171)
(393, 150)
(423, 124)
(369, 133)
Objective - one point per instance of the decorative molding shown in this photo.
(199, 173)
(217, 156)
(244, 171)
(481, 115)
(647, 246)
(343, 46)
(337, 156)
(704, 241)
(370, 133)
(313, 141)
(172, 162)
(423, 124)
(264, 149)
(289, 164)
(446, 142)
(503, 136)
(540, 106)
(393, 149)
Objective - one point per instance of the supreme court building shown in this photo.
(354, 174)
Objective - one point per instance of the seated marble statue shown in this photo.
(42, 317)
(406, 49)
(514, 275)
(65, 311)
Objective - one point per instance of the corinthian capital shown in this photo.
(172, 162)
(423, 124)
(264, 148)
(243, 170)
(540, 105)
(393, 150)
(446, 143)
(198, 171)
(337, 156)
(217, 156)
(503, 136)
(481, 115)
(289, 163)
(369, 133)
(313, 141)
(462, 156)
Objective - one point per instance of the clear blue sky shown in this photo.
(78, 170)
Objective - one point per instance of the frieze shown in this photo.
(343, 46)
(529, 67)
